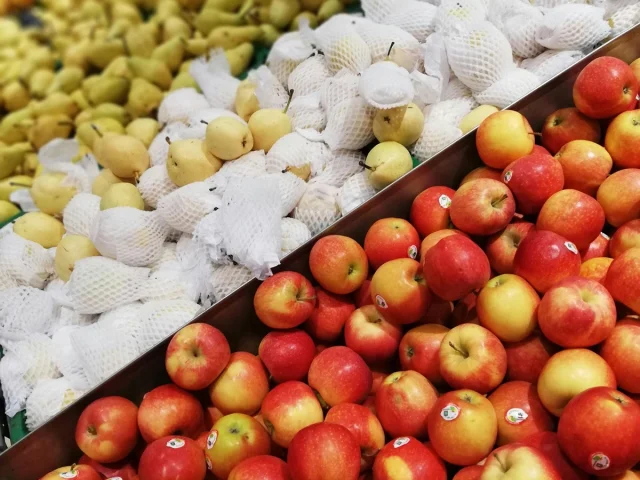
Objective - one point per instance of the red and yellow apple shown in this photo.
(621, 350)
(567, 125)
(284, 300)
(420, 351)
(585, 165)
(622, 279)
(329, 316)
(171, 457)
(264, 467)
(501, 247)
(79, 472)
(619, 196)
(626, 236)
(122, 469)
(287, 354)
(371, 336)
(518, 461)
(339, 264)
(525, 359)
(596, 268)
(482, 172)
(432, 239)
(598, 248)
(473, 472)
(363, 296)
(504, 137)
(391, 238)
(405, 458)
(622, 140)
(430, 210)
(547, 443)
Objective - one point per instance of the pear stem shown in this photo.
(289, 101)
(362, 164)
(390, 48)
(125, 45)
(97, 130)
(65, 124)
(202, 121)
(168, 140)
(15, 184)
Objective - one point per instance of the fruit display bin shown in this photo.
(53, 445)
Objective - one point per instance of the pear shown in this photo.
(15, 96)
(81, 101)
(121, 195)
(119, 27)
(175, 26)
(301, 171)
(188, 162)
(39, 82)
(104, 180)
(239, 58)
(83, 116)
(402, 124)
(30, 164)
(191, 4)
(7, 211)
(258, 15)
(144, 98)
(196, 46)
(144, 129)
(140, 41)
(56, 102)
(93, 9)
(50, 126)
(246, 102)
(328, 9)
(152, 70)
(210, 18)
(11, 184)
(100, 53)
(91, 130)
(269, 34)
(111, 110)
(70, 249)
(88, 83)
(228, 138)
(109, 90)
(76, 55)
(282, 12)
(12, 156)
(474, 118)
(226, 5)
(166, 8)
(119, 67)
(124, 155)
(269, 125)
(232, 36)
(185, 67)
(184, 80)
(386, 162)
(50, 194)
(170, 53)
(310, 17)
(125, 10)
(40, 228)
(67, 80)
(311, 5)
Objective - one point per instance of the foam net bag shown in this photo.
(131, 236)
(515, 85)
(294, 150)
(81, 213)
(307, 112)
(479, 55)
(289, 51)
(294, 234)
(430, 85)
(386, 85)
(167, 257)
(25, 262)
(154, 184)
(67, 360)
(350, 125)
(413, 16)
(405, 51)
(290, 188)
(342, 165)
(450, 112)
(308, 77)
(226, 279)
(98, 284)
(270, 91)
(177, 105)
(519, 22)
(355, 191)
(7, 281)
(183, 208)
(23, 312)
(49, 397)
(253, 164)
(624, 18)
(459, 14)
(550, 63)
(572, 27)
(318, 207)
(435, 137)
(159, 148)
(209, 238)
(161, 318)
(343, 86)
(213, 75)
(456, 89)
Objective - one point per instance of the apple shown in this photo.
(482, 207)
(482, 172)
(287, 409)
(378, 378)
(121, 469)
(211, 416)
(406, 458)
(462, 427)
(284, 300)
(518, 461)
(598, 248)
(79, 472)
(264, 467)
(389, 239)
(533, 179)
(598, 431)
(439, 312)
(339, 264)
(399, 291)
(233, 439)
(371, 336)
(621, 351)
(324, 451)
(547, 443)
(420, 351)
(635, 67)
(472, 357)
(403, 403)
(526, 359)
(172, 457)
(242, 385)
(605, 87)
(363, 425)
(504, 137)
(329, 316)
(432, 239)
(196, 355)
(574, 215)
(626, 236)
(596, 268)
(363, 295)
(107, 429)
(622, 279)
(567, 125)
(340, 375)
(622, 140)
(465, 311)
(544, 258)
(430, 210)
(501, 247)
(455, 266)
(473, 472)
(585, 165)
(569, 373)
(507, 306)
(619, 196)
(287, 354)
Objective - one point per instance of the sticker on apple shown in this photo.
(444, 201)
(450, 412)
(115, 478)
(507, 176)
(599, 461)
(515, 416)
(381, 302)
(605, 236)
(399, 442)
(413, 252)
(175, 443)
(571, 247)
(70, 474)
(212, 439)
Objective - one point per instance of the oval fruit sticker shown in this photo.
(599, 461)
(444, 201)
(211, 439)
(412, 252)
(571, 247)
(381, 302)
(507, 176)
(450, 412)
(399, 442)
(69, 474)
(515, 416)
(175, 443)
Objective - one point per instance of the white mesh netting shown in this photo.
(306, 111)
(253, 164)
(154, 184)
(350, 125)
(159, 319)
(624, 18)
(81, 213)
(344, 48)
(208, 237)
(415, 17)
(513, 86)
(270, 91)
(183, 208)
(450, 112)
(318, 207)
(340, 167)
(67, 360)
(308, 77)
(294, 234)
(294, 150)
(572, 27)
(177, 105)
(435, 136)
(290, 188)
(548, 64)
(355, 191)
(386, 85)
(159, 148)
(285, 55)
(456, 89)
(406, 49)
(24, 262)
(213, 76)
(49, 397)
(228, 278)
(519, 22)
(459, 14)
(343, 86)
(24, 311)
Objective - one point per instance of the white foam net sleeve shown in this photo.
(98, 284)
(159, 148)
(177, 105)
(294, 234)
(624, 18)
(306, 111)
(253, 164)
(513, 86)
(435, 136)
(75, 175)
(290, 188)
(612, 6)
(550, 63)
(64, 315)
(209, 237)
(154, 184)
(183, 208)
(450, 112)
(226, 279)
(519, 22)
(270, 91)
(459, 14)
(386, 85)
(81, 213)
(430, 85)
(131, 236)
(308, 76)
(294, 150)
(413, 16)
(49, 397)
(344, 48)
(350, 125)
(212, 73)
(7, 281)
(479, 55)
(24, 311)
(255, 241)
(343, 86)
(67, 360)
(318, 208)
(285, 55)
(340, 167)
(22, 197)
(23, 365)
(572, 27)
(355, 191)
(24, 262)
(406, 49)
(160, 318)
(456, 89)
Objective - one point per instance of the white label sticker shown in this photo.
(444, 201)
(211, 439)
(175, 443)
(413, 252)
(398, 442)
(515, 416)
(507, 176)
(571, 247)
(209, 464)
(69, 474)
(381, 302)
(115, 478)
(599, 461)
(605, 236)
(450, 412)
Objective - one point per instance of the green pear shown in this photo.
(328, 9)
(15, 96)
(386, 162)
(81, 101)
(282, 12)
(184, 80)
(239, 57)
(109, 90)
(152, 70)
(39, 82)
(67, 80)
(89, 82)
(196, 47)
(144, 129)
(50, 126)
(402, 124)
(119, 67)
(126, 10)
(100, 53)
(175, 26)
(56, 102)
(140, 41)
(227, 138)
(170, 53)
(188, 162)
(111, 110)
(125, 156)
(210, 18)
(144, 98)
(39, 227)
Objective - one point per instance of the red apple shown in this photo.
(406, 458)
(285, 300)
(287, 355)
(622, 140)
(621, 350)
(400, 292)
(403, 403)
(605, 87)
(324, 451)
(596, 268)
(622, 279)
(420, 351)
(635, 67)
(474, 472)
(627, 236)
(547, 443)
(172, 457)
(242, 385)
(121, 469)
(619, 196)
(472, 357)
(598, 248)
(79, 472)
(566, 125)
(482, 172)
(462, 427)
(525, 359)
(107, 430)
(391, 238)
(339, 264)
(287, 409)
(585, 165)
(501, 247)
(430, 210)
(263, 467)
(518, 461)
(432, 239)
(504, 137)
(329, 316)
(455, 266)
(439, 312)
(482, 207)
(340, 375)
(363, 295)
(465, 311)
(211, 416)
(544, 258)
(599, 431)
(533, 179)
(371, 336)
(363, 425)
(378, 378)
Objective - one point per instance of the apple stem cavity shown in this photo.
(464, 354)
(502, 465)
(496, 203)
(92, 430)
(286, 108)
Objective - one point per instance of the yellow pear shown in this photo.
(170, 53)
(76, 55)
(121, 195)
(91, 130)
(81, 101)
(152, 70)
(308, 16)
(210, 18)
(226, 5)
(144, 129)
(258, 15)
(67, 80)
(7, 211)
(118, 28)
(184, 80)
(228, 138)
(100, 53)
(83, 116)
(11, 184)
(125, 10)
(72, 248)
(39, 228)
(119, 67)
(88, 83)
(166, 8)
(402, 124)
(39, 82)
(11, 156)
(30, 164)
(109, 90)
(140, 41)
(175, 26)
(50, 126)
(48, 193)
(231, 36)
(301, 171)
(239, 57)
(474, 118)
(11, 129)
(56, 102)
(328, 9)
(269, 34)
(196, 46)
(144, 98)
(191, 4)
(185, 67)
(104, 180)
(15, 96)
(311, 5)
(246, 102)
(386, 162)
(282, 12)
(188, 162)
(269, 125)
(124, 155)
(111, 110)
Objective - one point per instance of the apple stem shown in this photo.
(304, 299)
(458, 350)
(362, 164)
(537, 134)
(286, 108)
(497, 203)
(73, 468)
